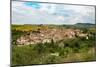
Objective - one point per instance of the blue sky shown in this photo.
(46, 13)
(34, 5)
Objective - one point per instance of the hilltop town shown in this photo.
(47, 35)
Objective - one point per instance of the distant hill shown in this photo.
(84, 25)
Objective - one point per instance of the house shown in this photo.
(46, 40)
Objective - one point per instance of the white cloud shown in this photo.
(50, 8)
(52, 14)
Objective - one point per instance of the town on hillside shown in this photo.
(47, 35)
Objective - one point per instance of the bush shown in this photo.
(40, 53)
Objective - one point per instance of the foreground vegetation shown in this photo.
(67, 50)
